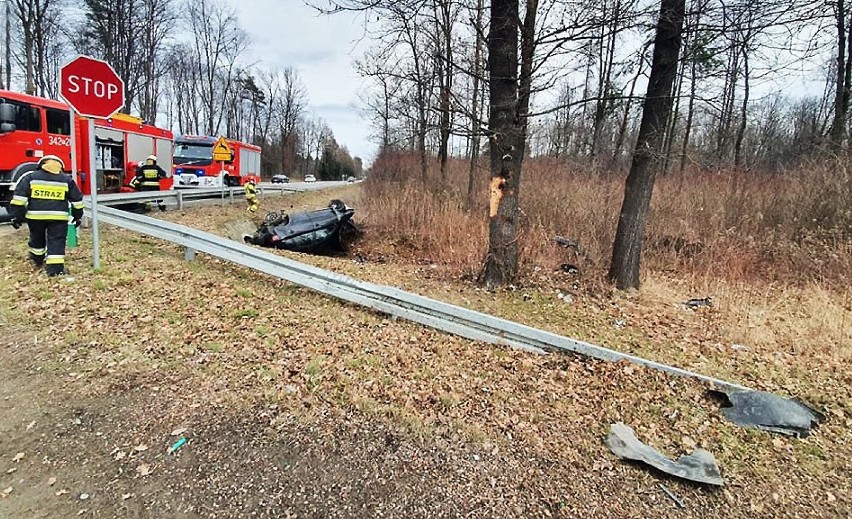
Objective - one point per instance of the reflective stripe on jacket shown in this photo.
(42, 195)
(149, 175)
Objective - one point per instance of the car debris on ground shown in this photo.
(700, 466)
(769, 412)
(572, 244)
(694, 304)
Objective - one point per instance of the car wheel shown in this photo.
(273, 218)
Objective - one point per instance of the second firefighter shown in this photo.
(148, 178)
(251, 196)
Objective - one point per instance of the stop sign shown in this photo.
(91, 87)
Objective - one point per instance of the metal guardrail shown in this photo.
(180, 195)
(429, 312)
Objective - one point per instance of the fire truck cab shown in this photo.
(32, 127)
(194, 165)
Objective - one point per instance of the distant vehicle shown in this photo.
(351, 179)
(280, 179)
(310, 178)
(321, 231)
(194, 165)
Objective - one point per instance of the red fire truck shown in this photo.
(32, 127)
(194, 165)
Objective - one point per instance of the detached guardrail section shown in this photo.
(429, 312)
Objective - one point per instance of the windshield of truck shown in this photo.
(193, 154)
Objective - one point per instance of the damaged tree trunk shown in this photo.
(507, 122)
(627, 249)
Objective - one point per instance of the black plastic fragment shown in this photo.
(770, 412)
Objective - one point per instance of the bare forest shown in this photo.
(185, 67)
(577, 93)
(465, 97)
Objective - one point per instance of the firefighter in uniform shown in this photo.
(251, 196)
(148, 177)
(42, 200)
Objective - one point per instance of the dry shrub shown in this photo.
(423, 225)
(719, 225)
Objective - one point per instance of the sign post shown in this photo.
(222, 153)
(93, 89)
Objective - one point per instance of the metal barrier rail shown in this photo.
(178, 196)
(429, 312)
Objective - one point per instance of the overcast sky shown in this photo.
(286, 33)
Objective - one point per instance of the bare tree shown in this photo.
(477, 97)
(510, 85)
(627, 249)
(843, 77)
(157, 21)
(290, 108)
(218, 43)
(109, 31)
(34, 17)
(445, 13)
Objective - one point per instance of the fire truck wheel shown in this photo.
(21, 170)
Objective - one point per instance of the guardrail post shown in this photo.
(179, 200)
(189, 254)
(232, 195)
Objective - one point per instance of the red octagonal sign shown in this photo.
(91, 87)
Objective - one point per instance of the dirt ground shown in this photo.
(296, 405)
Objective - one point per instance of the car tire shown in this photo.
(273, 218)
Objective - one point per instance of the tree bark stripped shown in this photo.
(507, 123)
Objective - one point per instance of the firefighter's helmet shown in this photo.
(51, 164)
(251, 181)
(152, 159)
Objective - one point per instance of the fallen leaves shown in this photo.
(6, 492)
(402, 373)
(18, 457)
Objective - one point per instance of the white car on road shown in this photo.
(310, 178)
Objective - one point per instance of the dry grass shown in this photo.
(227, 333)
(740, 227)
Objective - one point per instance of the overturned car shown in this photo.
(321, 231)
